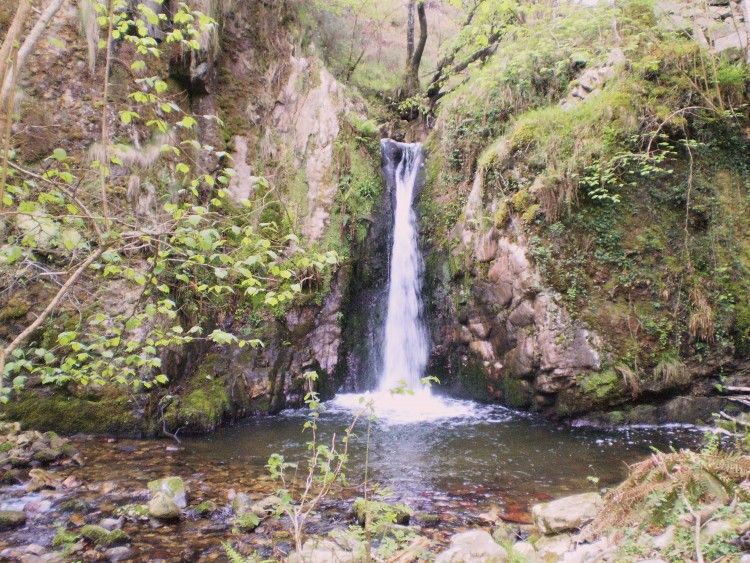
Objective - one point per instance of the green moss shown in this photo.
(204, 404)
(246, 522)
(5, 447)
(205, 508)
(69, 415)
(516, 393)
(15, 308)
(64, 538)
(103, 537)
(601, 384)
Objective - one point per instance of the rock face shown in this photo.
(475, 546)
(514, 331)
(567, 513)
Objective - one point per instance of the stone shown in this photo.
(522, 315)
(103, 537)
(745, 558)
(483, 349)
(478, 328)
(162, 507)
(486, 246)
(120, 553)
(241, 503)
(112, 523)
(664, 540)
(265, 507)
(525, 552)
(335, 548)
(567, 513)
(10, 519)
(172, 487)
(715, 528)
(474, 546)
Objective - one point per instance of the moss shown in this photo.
(64, 538)
(103, 537)
(601, 385)
(204, 404)
(246, 522)
(516, 393)
(69, 415)
(15, 308)
(205, 508)
(5, 447)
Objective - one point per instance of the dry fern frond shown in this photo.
(660, 480)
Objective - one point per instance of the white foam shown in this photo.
(412, 408)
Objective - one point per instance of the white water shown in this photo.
(405, 344)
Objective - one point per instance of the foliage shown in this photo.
(197, 254)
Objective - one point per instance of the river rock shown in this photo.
(474, 546)
(10, 519)
(163, 507)
(120, 553)
(172, 487)
(336, 547)
(524, 551)
(241, 503)
(265, 507)
(567, 513)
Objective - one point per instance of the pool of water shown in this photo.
(456, 461)
(483, 453)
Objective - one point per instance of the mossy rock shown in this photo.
(516, 393)
(68, 415)
(246, 522)
(10, 519)
(103, 537)
(380, 513)
(205, 508)
(15, 308)
(204, 405)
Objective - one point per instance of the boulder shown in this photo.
(163, 507)
(172, 487)
(118, 553)
(474, 546)
(337, 547)
(10, 519)
(567, 513)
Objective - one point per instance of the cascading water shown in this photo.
(405, 338)
(401, 397)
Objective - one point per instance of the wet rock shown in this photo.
(163, 507)
(172, 487)
(265, 507)
(241, 503)
(133, 512)
(525, 552)
(553, 547)
(10, 519)
(205, 508)
(120, 553)
(373, 510)
(103, 537)
(475, 546)
(503, 533)
(41, 479)
(247, 522)
(567, 513)
(112, 523)
(336, 547)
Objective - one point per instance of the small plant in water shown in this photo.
(326, 466)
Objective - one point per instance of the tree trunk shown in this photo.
(746, 15)
(29, 43)
(411, 80)
(14, 35)
(409, 31)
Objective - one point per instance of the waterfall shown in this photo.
(405, 346)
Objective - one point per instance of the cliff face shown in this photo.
(575, 268)
(299, 140)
